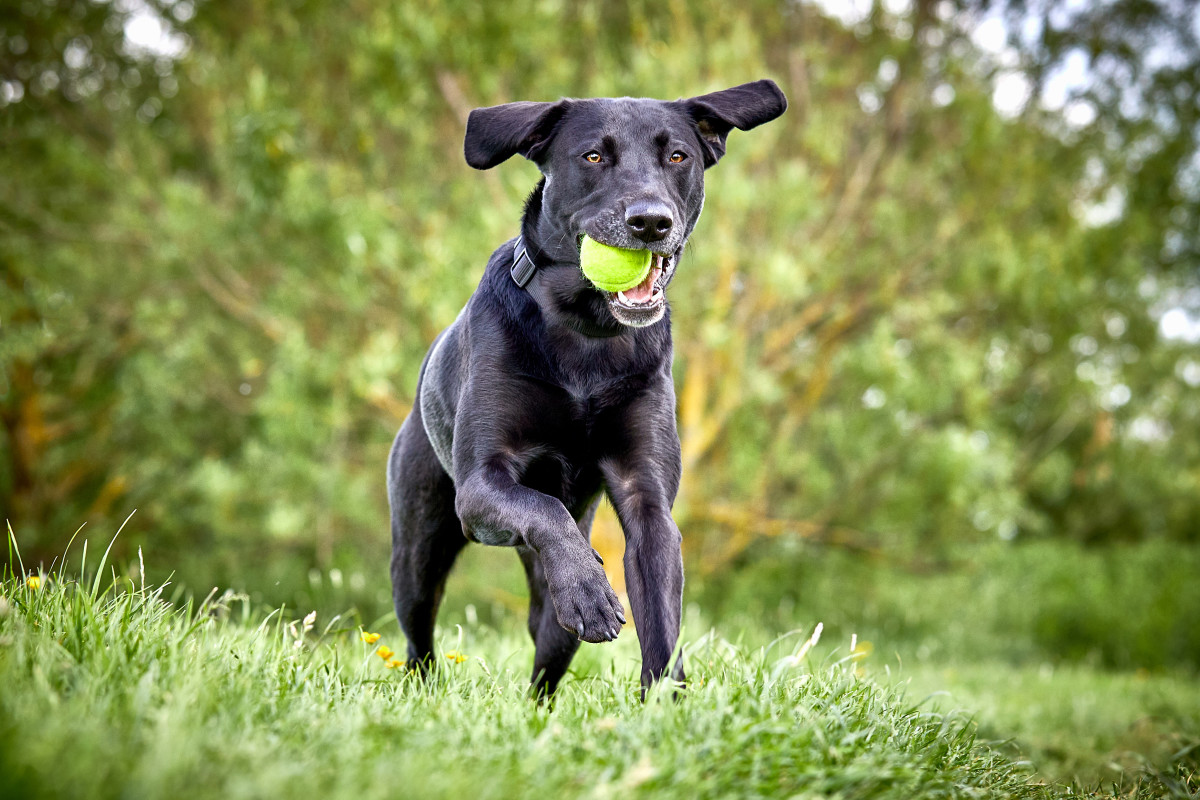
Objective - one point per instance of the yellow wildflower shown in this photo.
(385, 652)
(34, 582)
(861, 650)
(456, 656)
(392, 663)
(369, 638)
(858, 652)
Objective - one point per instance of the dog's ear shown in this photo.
(497, 133)
(742, 107)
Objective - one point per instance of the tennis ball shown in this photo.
(613, 269)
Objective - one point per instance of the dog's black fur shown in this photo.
(536, 399)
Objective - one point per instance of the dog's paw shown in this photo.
(584, 602)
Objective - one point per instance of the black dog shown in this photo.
(546, 390)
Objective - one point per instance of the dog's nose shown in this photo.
(648, 220)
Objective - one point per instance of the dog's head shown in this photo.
(628, 172)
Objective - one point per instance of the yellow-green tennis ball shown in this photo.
(613, 269)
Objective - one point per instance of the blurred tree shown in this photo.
(908, 318)
(71, 89)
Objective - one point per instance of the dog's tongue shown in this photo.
(644, 290)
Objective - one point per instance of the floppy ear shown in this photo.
(742, 107)
(497, 133)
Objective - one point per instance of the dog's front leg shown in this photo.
(495, 509)
(653, 564)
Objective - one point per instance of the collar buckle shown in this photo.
(523, 266)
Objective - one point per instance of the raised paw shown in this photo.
(584, 602)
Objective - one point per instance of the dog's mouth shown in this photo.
(647, 293)
(645, 303)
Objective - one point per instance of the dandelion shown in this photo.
(369, 638)
(34, 582)
(858, 652)
(456, 656)
(385, 652)
(392, 663)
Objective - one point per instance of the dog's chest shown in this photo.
(562, 434)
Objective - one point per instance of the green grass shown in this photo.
(151, 700)
(1083, 660)
(1075, 722)
(113, 691)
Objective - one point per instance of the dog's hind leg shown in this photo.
(537, 588)
(426, 536)
(554, 645)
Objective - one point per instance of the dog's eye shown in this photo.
(592, 156)
(677, 157)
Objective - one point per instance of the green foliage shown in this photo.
(899, 325)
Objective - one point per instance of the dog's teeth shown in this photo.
(623, 298)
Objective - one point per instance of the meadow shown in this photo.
(935, 363)
(115, 687)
